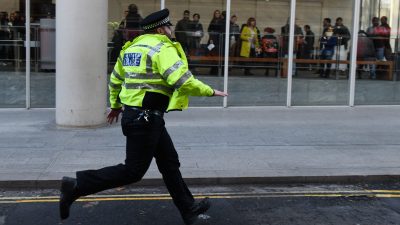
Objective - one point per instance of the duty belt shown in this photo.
(146, 112)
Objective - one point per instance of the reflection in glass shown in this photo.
(378, 55)
(12, 57)
(322, 53)
(43, 54)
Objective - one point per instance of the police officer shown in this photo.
(150, 77)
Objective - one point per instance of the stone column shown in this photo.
(81, 65)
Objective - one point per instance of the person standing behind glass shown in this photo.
(196, 32)
(194, 37)
(250, 42)
(132, 23)
(373, 33)
(326, 24)
(181, 31)
(270, 48)
(308, 46)
(4, 37)
(327, 45)
(365, 52)
(343, 34)
(214, 31)
(385, 31)
(234, 36)
(285, 41)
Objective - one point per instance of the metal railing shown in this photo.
(12, 53)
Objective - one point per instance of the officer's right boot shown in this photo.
(191, 216)
(69, 193)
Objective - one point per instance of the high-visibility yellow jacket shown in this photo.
(152, 62)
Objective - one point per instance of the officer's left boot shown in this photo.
(69, 193)
(191, 216)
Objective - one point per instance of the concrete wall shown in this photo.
(9, 5)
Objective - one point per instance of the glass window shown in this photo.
(43, 54)
(322, 51)
(378, 54)
(256, 64)
(12, 55)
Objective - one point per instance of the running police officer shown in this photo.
(150, 77)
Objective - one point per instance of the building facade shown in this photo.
(284, 66)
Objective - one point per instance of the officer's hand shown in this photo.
(114, 114)
(220, 93)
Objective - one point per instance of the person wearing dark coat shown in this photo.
(327, 45)
(215, 30)
(366, 52)
(132, 23)
(182, 29)
(196, 32)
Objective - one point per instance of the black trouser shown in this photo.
(144, 140)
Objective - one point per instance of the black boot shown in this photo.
(69, 194)
(191, 216)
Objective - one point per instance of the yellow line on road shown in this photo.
(237, 195)
(213, 196)
(384, 191)
(357, 192)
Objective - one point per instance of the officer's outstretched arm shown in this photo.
(175, 72)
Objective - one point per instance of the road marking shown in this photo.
(384, 191)
(158, 197)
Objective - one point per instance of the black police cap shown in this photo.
(156, 19)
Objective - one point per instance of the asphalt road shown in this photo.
(233, 205)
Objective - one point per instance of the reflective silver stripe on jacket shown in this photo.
(116, 75)
(150, 76)
(150, 87)
(172, 69)
(153, 51)
(115, 86)
(183, 79)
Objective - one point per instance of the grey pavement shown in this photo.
(215, 143)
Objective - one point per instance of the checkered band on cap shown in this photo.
(156, 24)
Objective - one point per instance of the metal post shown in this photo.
(17, 53)
(28, 52)
(226, 61)
(290, 53)
(162, 4)
(379, 8)
(353, 59)
(36, 49)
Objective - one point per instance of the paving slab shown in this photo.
(215, 144)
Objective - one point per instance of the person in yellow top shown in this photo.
(150, 77)
(250, 43)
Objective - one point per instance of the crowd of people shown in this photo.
(249, 41)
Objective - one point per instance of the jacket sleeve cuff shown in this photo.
(116, 105)
(212, 92)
